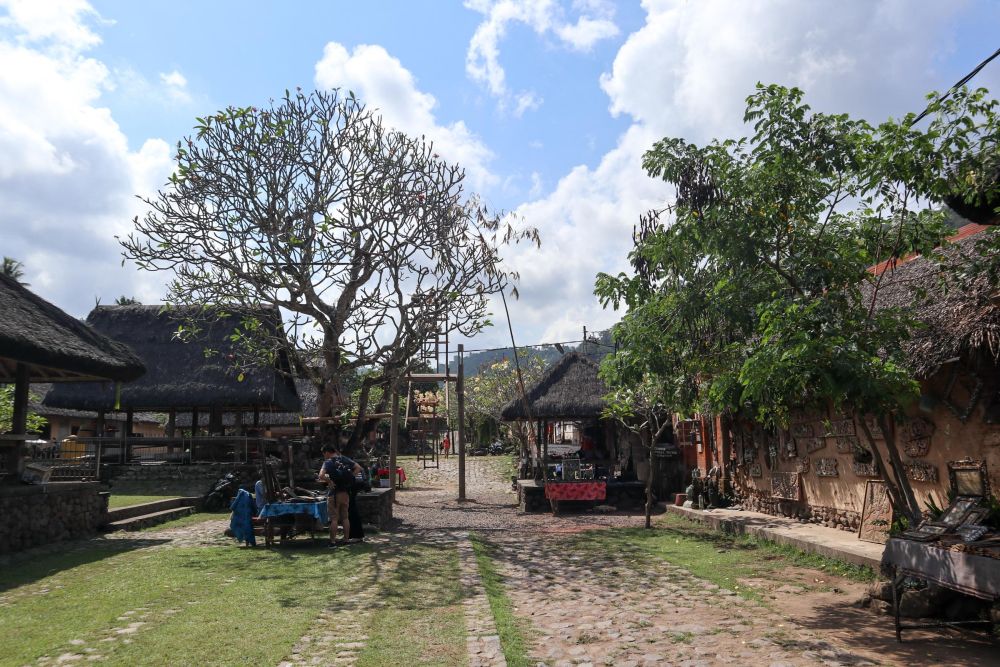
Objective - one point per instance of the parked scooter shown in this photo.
(221, 494)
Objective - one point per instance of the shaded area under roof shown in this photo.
(38, 391)
(308, 395)
(569, 389)
(56, 345)
(180, 374)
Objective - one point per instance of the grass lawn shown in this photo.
(115, 501)
(224, 605)
(512, 630)
(714, 556)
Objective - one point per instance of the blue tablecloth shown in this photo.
(316, 510)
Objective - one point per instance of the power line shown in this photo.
(561, 342)
(961, 82)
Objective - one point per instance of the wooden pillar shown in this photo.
(129, 420)
(19, 419)
(171, 422)
(101, 425)
(393, 440)
(460, 395)
(194, 422)
(215, 421)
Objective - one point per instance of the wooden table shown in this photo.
(316, 512)
(946, 565)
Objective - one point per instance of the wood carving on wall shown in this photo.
(846, 444)
(826, 468)
(918, 433)
(804, 430)
(813, 444)
(785, 485)
(755, 470)
(790, 450)
(840, 427)
(803, 465)
(864, 469)
(749, 453)
(920, 471)
(962, 392)
(876, 513)
(874, 427)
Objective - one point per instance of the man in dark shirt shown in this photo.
(338, 472)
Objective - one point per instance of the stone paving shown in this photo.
(482, 638)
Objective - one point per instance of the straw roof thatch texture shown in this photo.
(180, 374)
(569, 389)
(56, 345)
(957, 321)
(39, 390)
(308, 395)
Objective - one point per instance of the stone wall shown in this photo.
(831, 517)
(375, 507)
(45, 513)
(194, 479)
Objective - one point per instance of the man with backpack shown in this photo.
(339, 473)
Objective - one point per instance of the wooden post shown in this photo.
(19, 419)
(393, 440)
(460, 396)
(127, 445)
(99, 430)
(194, 422)
(171, 422)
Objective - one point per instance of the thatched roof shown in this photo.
(54, 344)
(37, 392)
(569, 389)
(959, 321)
(308, 395)
(180, 375)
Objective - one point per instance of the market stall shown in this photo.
(956, 550)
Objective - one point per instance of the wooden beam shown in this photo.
(460, 394)
(19, 418)
(393, 442)
(430, 377)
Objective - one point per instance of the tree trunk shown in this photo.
(902, 480)
(649, 479)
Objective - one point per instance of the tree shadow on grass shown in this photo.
(31, 565)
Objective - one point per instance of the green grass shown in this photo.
(513, 631)
(201, 605)
(225, 605)
(421, 620)
(717, 557)
(115, 501)
(197, 517)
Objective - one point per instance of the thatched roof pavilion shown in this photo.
(569, 389)
(54, 345)
(181, 376)
(958, 320)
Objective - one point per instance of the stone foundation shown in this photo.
(830, 517)
(41, 514)
(375, 507)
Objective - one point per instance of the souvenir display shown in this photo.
(918, 471)
(785, 485)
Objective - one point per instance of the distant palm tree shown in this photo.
(127, 301)
(13, 269)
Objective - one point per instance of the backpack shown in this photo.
(342, 475)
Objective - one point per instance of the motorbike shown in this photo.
(221, 493)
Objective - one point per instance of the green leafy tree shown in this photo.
(362, 236)
(751, 294)
(35, 422)
(127, 301)
(496, 385)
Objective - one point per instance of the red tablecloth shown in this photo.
(400, 474)
(576, 490)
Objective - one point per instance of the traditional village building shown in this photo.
(184, 375)
(820, 468)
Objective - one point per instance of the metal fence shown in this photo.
(81, 458)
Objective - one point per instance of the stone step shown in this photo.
(120, 513)
(151, 519)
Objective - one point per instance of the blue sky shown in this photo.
(548, 103)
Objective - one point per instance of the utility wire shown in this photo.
(561, 342)
(961, 82)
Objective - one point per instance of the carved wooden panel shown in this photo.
(826, 468)
(790, 450)
(919, 471)
(846, 444)
(864, 469)
(841, 427)
(873, 426)
(755, 470)
(802, 465)
(876, 513)
(917, 433)
(804, 430)
(813, 444)
(962, 392)
(785, 485)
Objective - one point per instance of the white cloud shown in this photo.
(175, 85)
(58, 22)
(482, 62)
(382, 82)
(68, 177)
(686, 73)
